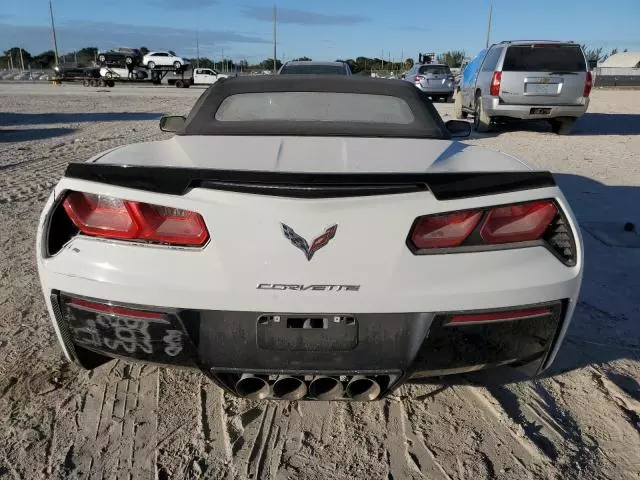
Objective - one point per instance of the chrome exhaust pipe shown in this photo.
(289, 388)
(252, 387)
(326, 388)
(363, 389)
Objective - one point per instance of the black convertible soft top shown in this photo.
(426, 123)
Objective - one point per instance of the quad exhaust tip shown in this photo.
(252, 387)
(326, 388)
(289, 388)
(363, 389)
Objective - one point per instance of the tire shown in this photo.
(110, 83)
(151, 65)
(102, 58)
(85, 83)
(562, 126)
(481, 121)
(179, 84)
(457, 106)
(128, 60)
(177, 65)
(102, 83)
(93, 83)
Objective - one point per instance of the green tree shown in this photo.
(408, 63)
(144, 50)
(45, 59)
(268, 64)
(302, 59)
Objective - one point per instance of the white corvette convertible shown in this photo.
(316, 237)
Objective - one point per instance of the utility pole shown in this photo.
(224, 62)
(489, 22)
(197, 51)
(53, 29)
(21, 61)
(275, 52)
(382, 59)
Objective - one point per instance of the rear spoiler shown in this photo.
(179, 180)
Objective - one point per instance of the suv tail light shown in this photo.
(417, 78)
(537, 221)
(494, 91)
(108, 217)
(588, 83)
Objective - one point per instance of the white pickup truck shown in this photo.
(197, 76)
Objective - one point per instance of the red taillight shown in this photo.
(494, 90)
(100, 215)
(522, 222)
(588, 83)
(442, 231)
(499, 316)
(518, 223)
(417, 78)
(109, 217)
(114, 310)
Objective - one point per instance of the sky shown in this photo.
(324, 30)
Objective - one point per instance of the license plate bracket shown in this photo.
(540, 111)
(311, 332)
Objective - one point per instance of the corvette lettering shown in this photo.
(303, 288)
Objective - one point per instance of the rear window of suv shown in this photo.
(544, 58)
(435, 69)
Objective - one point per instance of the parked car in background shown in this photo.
(198, 76)
(163, 59)
(526, 80)
(314, 68)
(75, 70)
(436, 80)
(120, 56)
(115, 72)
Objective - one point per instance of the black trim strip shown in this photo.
(179, 180)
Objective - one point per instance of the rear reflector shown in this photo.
(518, 223)
(499, 316)
(114, 310)
(109, 217)
(442, 231)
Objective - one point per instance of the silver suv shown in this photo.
(525, 79)
(436, 80)
(309, 67)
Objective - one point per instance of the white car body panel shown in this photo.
(327, 154)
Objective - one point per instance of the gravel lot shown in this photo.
(582, 420)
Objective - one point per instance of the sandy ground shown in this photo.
(581, 420)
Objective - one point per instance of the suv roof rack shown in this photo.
(537, 40)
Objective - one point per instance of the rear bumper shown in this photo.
(447, 88)
(391, 348)
(494, 108)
